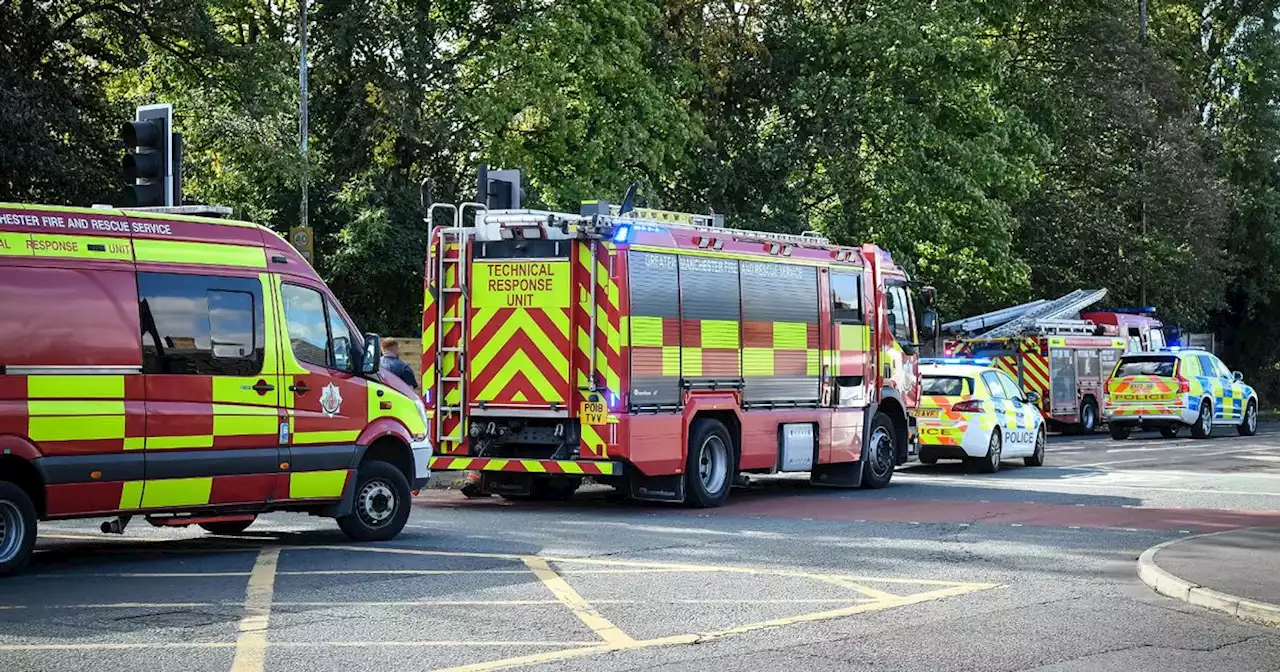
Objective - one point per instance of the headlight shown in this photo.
(422, 412)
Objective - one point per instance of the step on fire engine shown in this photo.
(1055, 349)
(660, 352)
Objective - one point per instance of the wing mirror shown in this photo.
(371, 355)
(928, 325)
(1032, 397)
(1239, 377)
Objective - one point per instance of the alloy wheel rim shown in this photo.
(377, 503)
(1251, 417)
(713, 457)
(1205, 414)
(994, 449)
(12, 531)
(881, 448)
(1089, 418)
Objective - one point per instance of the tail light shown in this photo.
(1184, 385)
(970, 406)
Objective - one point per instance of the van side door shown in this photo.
(210, 372)
(325, 397)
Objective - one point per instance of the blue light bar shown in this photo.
(621, 234)
(964, 361)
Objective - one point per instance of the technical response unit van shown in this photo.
(662, 353)
(190, 370)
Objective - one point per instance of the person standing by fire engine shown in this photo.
(391, 361)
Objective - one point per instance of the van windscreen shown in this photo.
(1148, 365)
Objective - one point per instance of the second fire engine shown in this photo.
(662, 353)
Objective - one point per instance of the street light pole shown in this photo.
(1142, 166)
(302, 111)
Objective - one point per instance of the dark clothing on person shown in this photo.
(397, 366)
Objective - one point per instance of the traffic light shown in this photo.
(150, 165)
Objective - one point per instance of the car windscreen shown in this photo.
(1148, 365)
(946, 386)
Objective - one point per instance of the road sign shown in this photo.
(301, 238)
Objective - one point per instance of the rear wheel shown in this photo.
(878, 468)
(17, 528)
(1036, 459)
(1249, 426)
(1203, 427)
(709, 465)
(1119, 432)
(382, 503)
(228, 526)
(1169, 431)
(928, 458)
(1088, 417)
(989, 463)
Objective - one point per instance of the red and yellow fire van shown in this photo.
(192, 371)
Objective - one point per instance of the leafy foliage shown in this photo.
(1001, 150)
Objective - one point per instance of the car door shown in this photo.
(326, 400)
(1214, 386)
(1021, 436)
(1001, 406)
(1233, 392)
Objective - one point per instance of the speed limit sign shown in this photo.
(300, 236)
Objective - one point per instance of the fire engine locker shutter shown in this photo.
(780, 333)
(1062, 363)
(710, 322)
(655, 329)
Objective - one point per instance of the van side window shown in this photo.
(200, 325)
(846, 303)
(308, 329)
(340, 339)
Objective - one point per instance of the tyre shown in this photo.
(877, 470)
(709, 465)
(1088, 417)
(17, 528)
(1119, 432)
(227, 526)
(1169, 431)
(928, 458)
(989, 463)
(381, 506)
(1036, 459)
(1249, 426)
(1203, 427)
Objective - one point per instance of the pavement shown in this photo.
(1027, 569)
(1236, 572)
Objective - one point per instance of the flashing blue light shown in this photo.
(612, 400)
(426, 397)
(966, 361)
(621, 234)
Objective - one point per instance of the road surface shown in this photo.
(1027, 569)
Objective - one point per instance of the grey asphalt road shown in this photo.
(1031, 568)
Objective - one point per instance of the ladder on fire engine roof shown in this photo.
(495, 225)
(454, 378)
(992, 319)
(1052, 313)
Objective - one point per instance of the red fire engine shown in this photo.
(662, 353)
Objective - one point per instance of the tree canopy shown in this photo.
(1001, 150)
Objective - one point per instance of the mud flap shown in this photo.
(841, 475)
(656, 488)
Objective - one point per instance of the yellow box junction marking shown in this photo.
(252, 642)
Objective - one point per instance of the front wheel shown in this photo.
(1203, 427)
(1169, 431)
(1036, 459)
(878, 468)
(1249, 426)
(709, 465)
(17, 528)
(382, 503)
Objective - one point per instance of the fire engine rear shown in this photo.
(661, 353)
